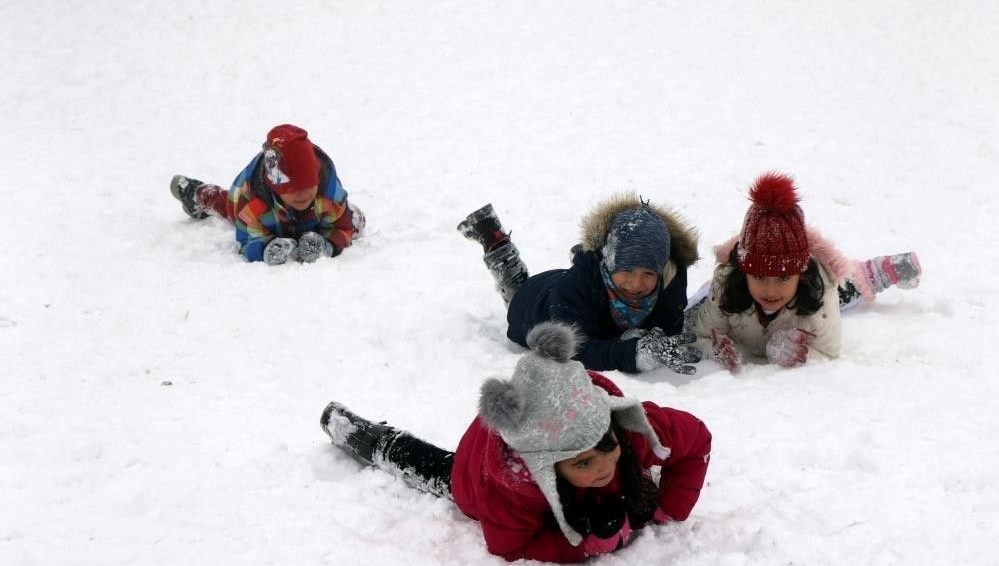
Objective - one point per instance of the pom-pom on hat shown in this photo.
(290, 162)
(550, 410)
(638, 237)
(773, 242)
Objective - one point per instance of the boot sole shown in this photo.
(467, 226)
(324, 419)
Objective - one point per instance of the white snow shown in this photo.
(161, 397)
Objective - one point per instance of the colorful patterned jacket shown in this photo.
(490, 483)
(260, 217)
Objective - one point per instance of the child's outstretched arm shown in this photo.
(336, 224)
(823, 331)
(689, 442)
(251, 232)
(706, 317)
(571, 303)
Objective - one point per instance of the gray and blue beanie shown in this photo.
(638, 237)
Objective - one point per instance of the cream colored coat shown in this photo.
(745, 328)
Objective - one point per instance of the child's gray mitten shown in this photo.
(280, 250)
(312, 246)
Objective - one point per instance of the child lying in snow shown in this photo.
(556, 467)
(779, 285)
(287, 204)
(626, 289)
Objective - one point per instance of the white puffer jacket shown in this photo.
(745, 328)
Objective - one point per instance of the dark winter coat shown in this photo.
(260, 217)
(491, 484)
(578, 296)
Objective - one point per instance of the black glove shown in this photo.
(280, 250)
(312, 246)
(607, 519)
(609, 529)
(671, 351)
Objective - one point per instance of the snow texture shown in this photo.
(340, 428)
(161, 396)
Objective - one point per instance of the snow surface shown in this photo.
(161, 398)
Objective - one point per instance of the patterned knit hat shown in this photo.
(638, 237)
(550, 410)
(290, 162)
(773, 242)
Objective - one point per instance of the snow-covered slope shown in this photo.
(160, 397)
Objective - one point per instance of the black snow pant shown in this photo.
(421, 464)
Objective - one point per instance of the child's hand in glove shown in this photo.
(280, 250)
(312, 246)
(724, 352)
(788, 347)
(609, 529)
(673, 352)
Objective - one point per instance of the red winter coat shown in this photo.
(490, 483)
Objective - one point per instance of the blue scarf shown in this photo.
(627, 314)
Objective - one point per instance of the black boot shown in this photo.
(849, 295)
(183, 189)
(484, 227)
(360, 438)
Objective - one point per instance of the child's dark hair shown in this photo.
(638, 490)
(735, 297)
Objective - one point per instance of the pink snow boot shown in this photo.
(901, 270)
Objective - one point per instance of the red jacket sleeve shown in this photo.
(689, 442)
(529, 533)
(683, 471)
(516, 519)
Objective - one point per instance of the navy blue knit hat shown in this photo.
(638, 237)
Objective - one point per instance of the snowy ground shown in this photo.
(161, 397)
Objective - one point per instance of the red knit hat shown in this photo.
(290, 162)
(773, 242)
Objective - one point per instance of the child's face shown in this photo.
(772, 293)
(590, 469)
(635, 283)
(301, 199)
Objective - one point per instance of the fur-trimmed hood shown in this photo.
(596, 225)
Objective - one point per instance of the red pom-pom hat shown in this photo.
(290, 162)
(773, 242)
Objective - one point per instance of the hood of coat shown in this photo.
(596, 225)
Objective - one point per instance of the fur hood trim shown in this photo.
(596, 225)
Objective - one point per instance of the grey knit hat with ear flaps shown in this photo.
(550, 410)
